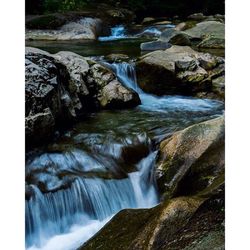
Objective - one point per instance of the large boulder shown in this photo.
(192, 160)
(210, 33)
(181, 223)
(85, 29)
(178, 70)
(64, 87)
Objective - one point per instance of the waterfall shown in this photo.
(88, 202)
(117, 32)
(126, 73)
(64, 218)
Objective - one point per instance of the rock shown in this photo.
(207, 61)
(192, 160)
(84, 29)
(154, 45)
(116, 58)
(69, 86)
(115, 96)
(197, 17)
(39, 126)
(180, 39)
(181, 26)
(192, 76)
(218, 85)
(178, 70)
(143, 228)
(148, 20)
(186, 63)
(167, 34)
(207, 28)
(181, 223)
(212, 43)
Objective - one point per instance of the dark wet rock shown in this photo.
(134, 153)
(180, 39)
(192, 160)
(154, 45)
(39, 126)
(65, 87)
(178, 70)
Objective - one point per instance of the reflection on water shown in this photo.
(131, 47)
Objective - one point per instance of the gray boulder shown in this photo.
(64, 87)
(178, 70)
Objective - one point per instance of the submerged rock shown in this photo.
(154, 45)
(178, 70)
(64, 87)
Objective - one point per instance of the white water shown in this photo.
(117, 32)
(127, 75)
(65, 219)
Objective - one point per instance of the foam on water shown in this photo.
(127, 75)
(87, 204)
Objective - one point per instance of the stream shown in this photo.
(106, 163)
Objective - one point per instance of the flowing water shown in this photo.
(103, 165)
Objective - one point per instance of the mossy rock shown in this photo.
(192, 159)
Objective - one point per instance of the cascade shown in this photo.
(117, 32)
(65, 218)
